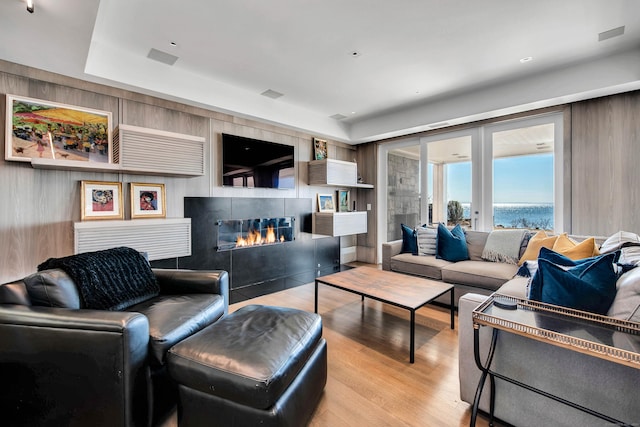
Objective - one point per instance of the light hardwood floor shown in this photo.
(370, 380)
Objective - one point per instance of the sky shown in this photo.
(522, 179)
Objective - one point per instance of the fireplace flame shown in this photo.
(254, 238)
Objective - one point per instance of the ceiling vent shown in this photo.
(160, 56)
(272, 94)
(611, 33)
(338, 117)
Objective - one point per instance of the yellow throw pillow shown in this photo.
(539, 240)
(573, 250)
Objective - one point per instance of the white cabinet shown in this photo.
(159, 238)
(334, 172)
(339, 223)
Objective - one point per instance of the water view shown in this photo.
(519, 215)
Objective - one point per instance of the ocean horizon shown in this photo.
(519, 215)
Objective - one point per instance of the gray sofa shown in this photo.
(600, 385)
(474, 275)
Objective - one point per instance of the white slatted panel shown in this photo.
(169, 153)
(159, 238)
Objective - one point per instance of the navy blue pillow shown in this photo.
(409, 240)
(587, 286)
(451, 245)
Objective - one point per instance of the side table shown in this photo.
(559, 326)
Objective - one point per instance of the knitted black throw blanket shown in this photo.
(113, 279)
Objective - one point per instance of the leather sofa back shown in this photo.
(14, 293)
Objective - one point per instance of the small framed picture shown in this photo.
(319, 149)
(101, 200)
(344, 200)
(147, 200)
(326, 203)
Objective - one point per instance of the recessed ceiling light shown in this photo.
(338, 116)
(173, 44)
(354, 54)
(526, 59)
(353, 112)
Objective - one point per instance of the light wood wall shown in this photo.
(38, 207)
(605, 161)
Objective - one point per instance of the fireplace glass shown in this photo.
(243, 233)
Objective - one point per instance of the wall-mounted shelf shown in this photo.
(160, 238)
(335, 173)
(339, 223)
(143, 151)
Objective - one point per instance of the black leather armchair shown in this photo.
(80, 367)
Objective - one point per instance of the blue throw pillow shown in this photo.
(587, 286)
(451, 245)
(409, 240)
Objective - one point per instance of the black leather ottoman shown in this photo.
(260, 365)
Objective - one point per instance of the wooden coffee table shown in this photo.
(401, 290)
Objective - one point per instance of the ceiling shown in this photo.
(385, 68)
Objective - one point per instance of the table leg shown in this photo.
(315, 305)
(452, 311)
(412, 339)
(485, 372)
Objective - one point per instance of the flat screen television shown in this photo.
(253, 163)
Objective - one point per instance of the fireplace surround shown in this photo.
(263, 268)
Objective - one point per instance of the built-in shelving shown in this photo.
(336, 173)
(339, 223)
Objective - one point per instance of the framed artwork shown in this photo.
(49, 130)
(326, 203)
(101, 200)
(344, 200)
(319, 149)
(147, 200)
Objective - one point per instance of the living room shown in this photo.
(41, 206)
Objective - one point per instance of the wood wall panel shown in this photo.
(605, 159)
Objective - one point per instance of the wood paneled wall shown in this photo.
(38, 207)
(605, 161)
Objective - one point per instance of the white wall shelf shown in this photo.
(336, 173)
(160, 238)
(339, 223)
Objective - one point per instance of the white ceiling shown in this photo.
(420, 63)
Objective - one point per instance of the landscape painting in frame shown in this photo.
(101, 200)
(48, 130)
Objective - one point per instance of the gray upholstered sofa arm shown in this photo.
(595, 383)
(389, 250)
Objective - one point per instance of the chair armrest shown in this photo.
(61, 362)
(176, 282)
(389, 250)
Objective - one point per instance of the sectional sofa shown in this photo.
(594, 383)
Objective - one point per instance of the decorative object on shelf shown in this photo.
(326, 203)
(319, 149)
(344, 200)
(101, 200)
(39, 129)
(147, 200)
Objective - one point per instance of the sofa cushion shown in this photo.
(475, 243)
(426, 237)
(588, 286)
(516, 287)
(539, 240)
(425, 266)
(173, 318)
(628, 243)
(52, 288)
(626, 304)
(409, 241)
(574, 250)
(452, 245)
(481, 274)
